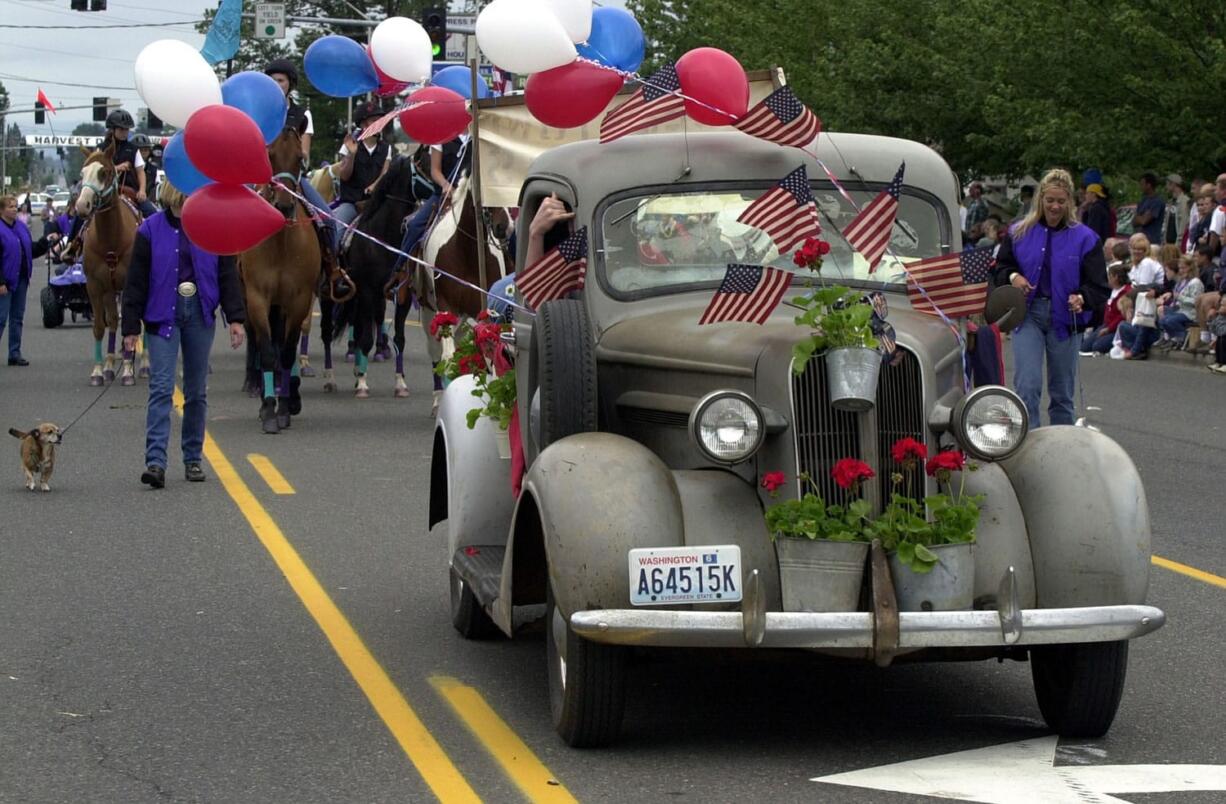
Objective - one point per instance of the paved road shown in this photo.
(222, 642)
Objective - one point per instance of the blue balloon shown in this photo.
(459, 79)
(179, 168)
(340, 67)
(260, 98)
(616, 39)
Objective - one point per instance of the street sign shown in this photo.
(270, 20)
(51, 141)
(457, 44)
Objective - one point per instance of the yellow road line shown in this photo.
(275, 480)
(1191, 572)
(443, 778)
(517, 760)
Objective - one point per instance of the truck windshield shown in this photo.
(669, 242)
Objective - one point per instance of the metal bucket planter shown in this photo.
(949, 587)
(503, 439)
(820, 575)
(852, 373)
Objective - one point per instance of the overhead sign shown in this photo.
(457, 43)
(1025, 771)
(74, 140)
(270, 20)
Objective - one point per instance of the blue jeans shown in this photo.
(1175, 325)
(147, 208)
(312, 195)
(196, 340)
(1092, 341)
(1137, 339)
(1035, 339)
(344, 215)
(13, 312)
(416, 227)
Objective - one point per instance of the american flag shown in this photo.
(748, 293)
(657, 101)
(380, 124)
(956, 283)
(869, 233)
(556, 273)
(787, 212)
(781, 118)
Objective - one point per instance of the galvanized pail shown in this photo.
(852, 375)
(820, 575)
(949, 587)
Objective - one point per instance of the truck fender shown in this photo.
(1087, 517)
(470, 486)
(1001, 540)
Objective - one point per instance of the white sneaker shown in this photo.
(1087, 354)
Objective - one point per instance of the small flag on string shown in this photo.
(869, 232)
(45, 101)
(748, 293)
(557, 273)
(655, 102)
(782, 119)
(955, 283)
(787, 212)
(380, 124)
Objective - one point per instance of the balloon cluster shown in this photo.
(222, 147)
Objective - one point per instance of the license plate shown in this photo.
(662, 575)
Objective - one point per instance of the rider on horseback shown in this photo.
(129, 165)
(360, 167)
(447, 161)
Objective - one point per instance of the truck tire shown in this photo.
(1079, 686)
(466, 613)
(53, 313)
(587, 683)
(566, 370)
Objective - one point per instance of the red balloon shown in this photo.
(712, 76)
(570, 95)
(229, 219)
(226, 145)
(388, 86)
(441, 115)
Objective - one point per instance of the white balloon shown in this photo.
(174, 80)
(575, 16)
(402, 49)
(523, 36)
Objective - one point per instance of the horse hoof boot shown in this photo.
(401, 393)
(307, 371)
(143, 373)
(377, 357)
(109, 375)
(361, 393)
(95, 380)
(283, 419)
(127, 379)
(268, 416)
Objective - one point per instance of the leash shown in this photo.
(101, 393)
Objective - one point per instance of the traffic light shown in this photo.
(40, 117)
(100, 110)
(435, 23)
(97, 5)
(79, 5)
(91, 5)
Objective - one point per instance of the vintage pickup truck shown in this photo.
(619, 389)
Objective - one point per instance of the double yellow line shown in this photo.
(520, 764)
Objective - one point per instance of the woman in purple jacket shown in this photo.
(174, 287)
(1058, 263)
(17, 253)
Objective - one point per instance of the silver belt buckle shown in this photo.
(187, 289)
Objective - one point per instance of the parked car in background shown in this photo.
(59, 202)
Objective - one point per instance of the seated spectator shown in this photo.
(1169, 255)
(1208, 302)
(991, 233)
(1198, 232)
(1217, 328)
(1147, 279)
(1178, 306)
(1099, 341)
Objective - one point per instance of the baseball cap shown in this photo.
(1175, 178)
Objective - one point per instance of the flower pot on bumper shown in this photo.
(502, 438)
(820, 574)
(949, 586)
(852, 373)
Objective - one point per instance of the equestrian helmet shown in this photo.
(120, 119)
(141, 141)
(366, 111)
(286, 68)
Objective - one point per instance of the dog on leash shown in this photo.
(38, 454)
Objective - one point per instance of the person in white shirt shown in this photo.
(1147, 278)
(361, 165)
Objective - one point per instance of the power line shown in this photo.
(4, 45)
(95, 27)
(30, 80)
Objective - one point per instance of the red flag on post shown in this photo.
(42, 98)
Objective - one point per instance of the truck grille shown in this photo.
(824, 435)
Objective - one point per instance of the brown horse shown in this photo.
(107, 247)
(452, 246)
(279, 279)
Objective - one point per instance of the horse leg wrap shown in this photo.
(361, 363)
(98, 352)
(269, 390)
(399, 362)
(110, 342)
(438, 381)
(295, 370)
(303, 344)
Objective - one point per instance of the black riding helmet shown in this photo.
(141, 141)
(286, 68)
(120, 119)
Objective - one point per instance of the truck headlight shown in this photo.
(990, 423)
(727, 426)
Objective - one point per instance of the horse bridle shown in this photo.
(294, 181)
(101, 194)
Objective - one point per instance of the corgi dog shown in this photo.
(38, 454)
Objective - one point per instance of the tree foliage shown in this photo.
(998, 88)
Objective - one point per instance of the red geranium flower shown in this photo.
(441, 320)
(471, 364)
(951, 460)
(906, 450)
(773, 480)
(484, 315)
(848, 472)
(811, 253)
(487, 334)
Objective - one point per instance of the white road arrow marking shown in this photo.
(1025, 772)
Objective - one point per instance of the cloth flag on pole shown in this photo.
(782, 119)
(748, 293)
(869, 232)
(221, 42)
(45, 101)
(556, 273)
(656, 101)
(787, 212)
(380, 124)
(956, 283)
